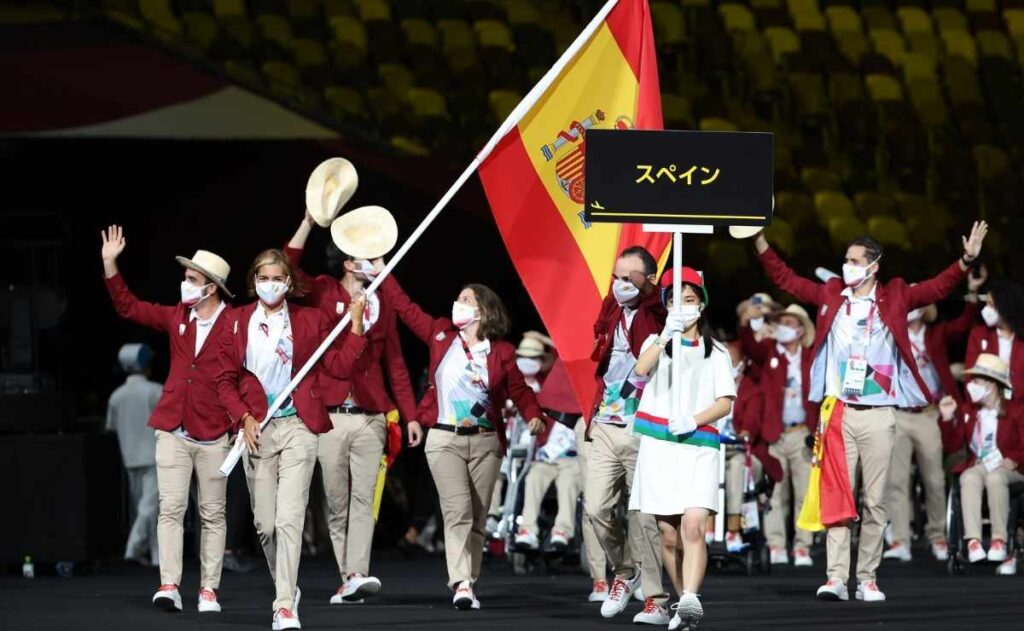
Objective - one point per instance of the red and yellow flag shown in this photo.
(829, 498)
(534, 182)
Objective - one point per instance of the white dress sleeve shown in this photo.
(724, 384)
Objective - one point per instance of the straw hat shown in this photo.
(801, 314)
(330, 186)
(211, 266)
(530, 347)
(991, 367)
(368, 232)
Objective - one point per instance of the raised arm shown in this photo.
(935, 289)
(126, 304)
(805, 289)
(418, 320)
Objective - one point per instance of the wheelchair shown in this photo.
(756, 558)
(958, 563)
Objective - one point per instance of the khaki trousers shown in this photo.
(917, 437)
(794, 455)
(145, 494)
(176, 459)
(565, 474)
(869, 436)
(975, 481)
(464, 469)
(597, 562)
(736, 481)
(610, 468)
(278, 477)
(349, 458)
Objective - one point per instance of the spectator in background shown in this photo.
(917, 432)
(128, 414)
(784, 358)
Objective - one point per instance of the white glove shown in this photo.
(674, 323)
(683, 426)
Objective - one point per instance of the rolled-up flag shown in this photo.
(829, 498)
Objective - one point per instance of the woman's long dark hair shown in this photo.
(1009, 299)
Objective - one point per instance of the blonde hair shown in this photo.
(273, 256)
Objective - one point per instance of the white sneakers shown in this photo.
(653, 613)
(208, 601)
(600, 592)
(167, 598)
(779, 556)
(868, 592)
(619, 595)
(802, 558)
(356, 588)
(1007, 567)
(898, 551)
(940, 550)
(997, 551)
(527, 539)
(688, 612)
(833, 590)
(285, 619)
(464, 598)
(975, 551)
(734, 542)
(559, 539)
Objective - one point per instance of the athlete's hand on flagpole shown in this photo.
(251, 430)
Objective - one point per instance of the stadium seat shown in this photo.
(523, 13)
(713, 123)
(494, 34)
(889, 232)
(817, 179)
(398, 78)
(889, 43)
(874, 204)
(980, 6)
(346, 104)
(678, 111)
(669, 25)
(883, 87)
(960, 44)
(796, 207)
(160, 15)
(226, 9)
(949, 19)
(373, 10)
(502, 103)
(843, 19)
(782, 41)
(843, 229)
(994, 44)
(276, 29)
(737, 17)
(878, 18)
(914, 20)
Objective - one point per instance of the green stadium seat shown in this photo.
(226, 9)
(890, 233)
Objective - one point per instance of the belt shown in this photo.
(472, 430)
(569, 420)
(795, 426)
(918, 410)
(347, 409)
(861, 408)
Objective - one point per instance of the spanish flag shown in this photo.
(829, 498)
(534, 178)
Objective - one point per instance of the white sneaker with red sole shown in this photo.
(802, 558)
(1007, 567)
(940, 550)
(527, 539)
(653, 613)
(619, 595)
(167, 598)
(898, 551)
(208, 601)
(868, 592)
(464, 598)
(976, 552)
(559, 539)
(997, 551)
(285, 619)
(734, 543)
(599, 593)
(688, 613)
(833, 590)
(779, 556)
(358, 587)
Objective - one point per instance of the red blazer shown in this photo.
(504, 379)
(241, 391)
(383, 350)
(895, 300)
(986, 340)
(190, 398)
(774, 373)
(957, 433)
(937, 339)
(748, 415)
(649, 320)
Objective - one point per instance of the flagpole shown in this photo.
(510, 122)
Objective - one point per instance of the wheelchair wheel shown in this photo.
(764, 558)
(750, 562)
(956, 565)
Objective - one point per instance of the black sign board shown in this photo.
(679, 177)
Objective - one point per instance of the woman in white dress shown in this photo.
(676, 477)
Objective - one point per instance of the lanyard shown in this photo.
(867, 325)
(623, 325)
(473, 374)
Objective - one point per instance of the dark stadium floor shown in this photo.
(921, 596)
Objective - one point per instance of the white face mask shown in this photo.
(977, 391)
(990, 315)
(191, 295)
(365, 268)
(529, 366)
(785, 334)
(914, 315)
(271, 292)
(625, 291)
(691, 313)
(463, 315)
(855, 276)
